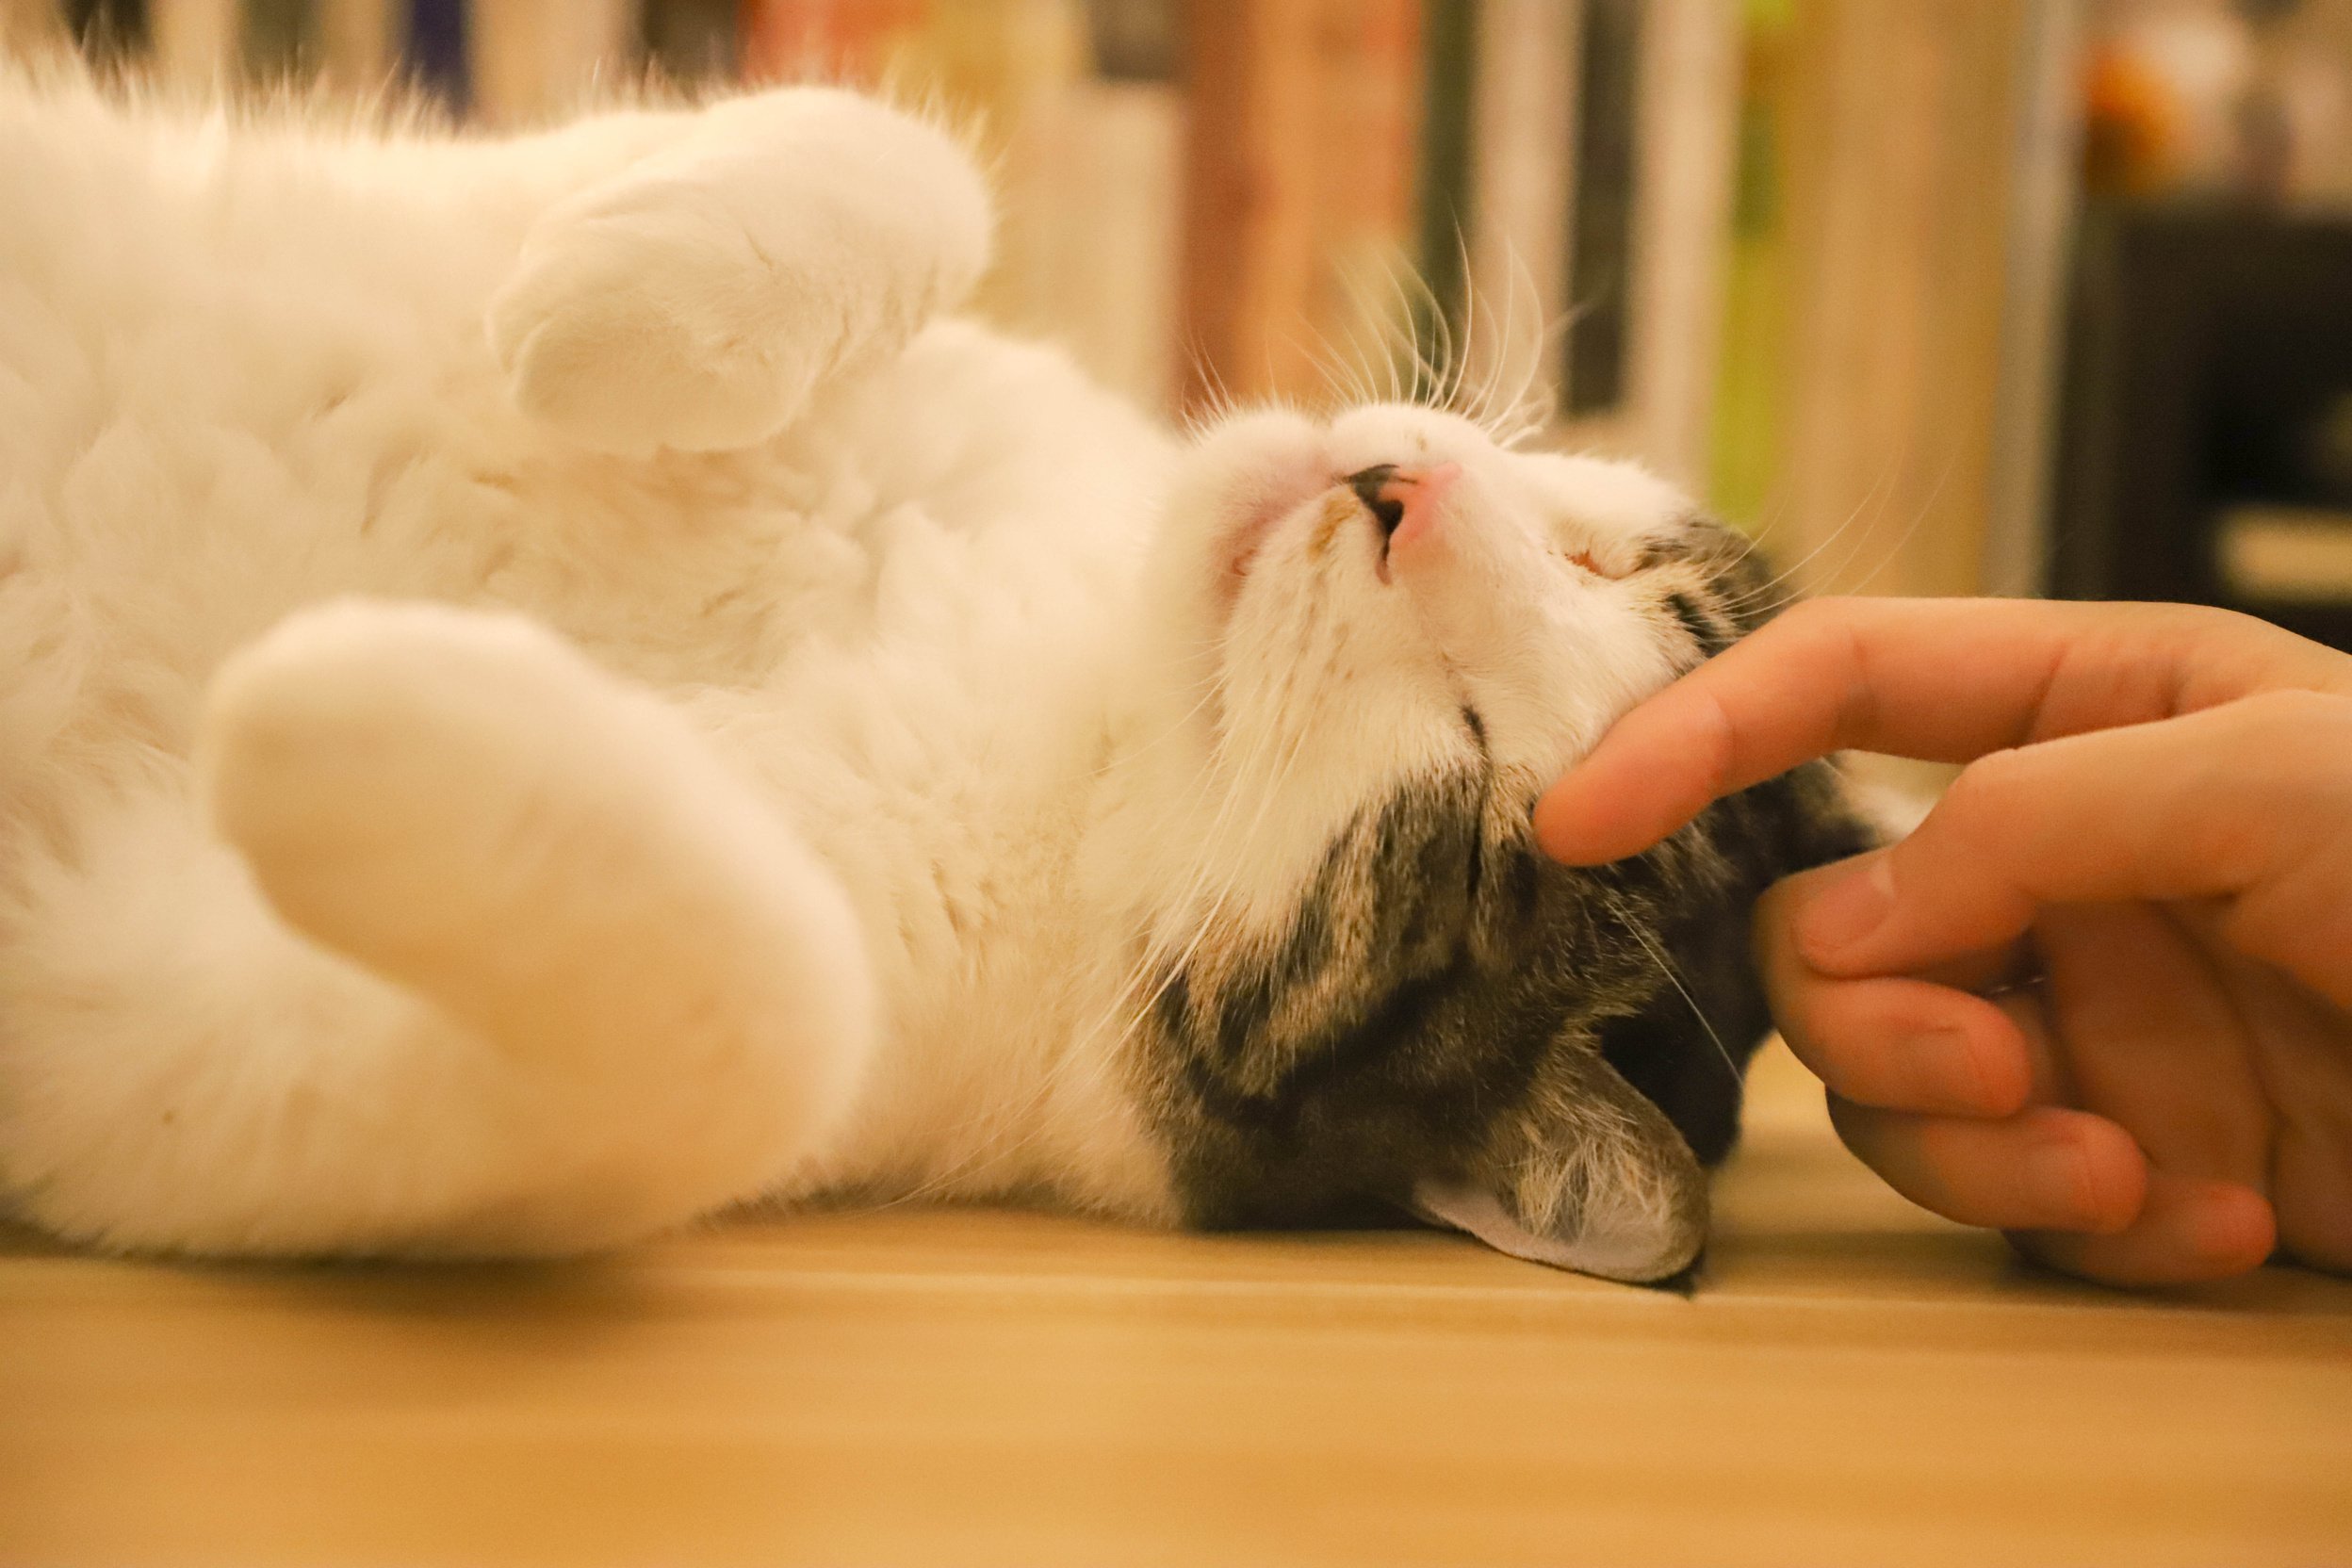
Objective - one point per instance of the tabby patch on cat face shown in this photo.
(1380, 995)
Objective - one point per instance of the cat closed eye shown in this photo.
(1585, 560)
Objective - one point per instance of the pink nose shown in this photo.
(1404, 501)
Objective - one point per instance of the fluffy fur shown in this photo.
(547, 688)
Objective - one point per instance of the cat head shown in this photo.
(1375, 642)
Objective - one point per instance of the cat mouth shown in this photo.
(1277, 500)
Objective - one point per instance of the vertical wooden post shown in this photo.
(1688, 137)
(1299, 144)
(1901, 138)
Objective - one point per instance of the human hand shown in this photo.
(2102, 998)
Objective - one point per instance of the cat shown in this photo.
(549, 688)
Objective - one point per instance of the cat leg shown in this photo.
(180, 1071)
(698, 299)
(469, 807)
(563, 983)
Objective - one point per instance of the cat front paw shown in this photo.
(639, 320)
(696, 300)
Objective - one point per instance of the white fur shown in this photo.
(774, 721)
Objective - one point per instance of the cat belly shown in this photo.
(1017, 1088)
(953, 819)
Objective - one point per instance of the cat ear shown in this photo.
(1586, 1175)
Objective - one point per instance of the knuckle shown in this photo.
(1812, 627)
(2187, 629)
(1716, 739)
(2285, 715)
(2212, 620)
(1983, 789)
(2291, 751)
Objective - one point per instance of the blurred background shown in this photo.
(1937, 296)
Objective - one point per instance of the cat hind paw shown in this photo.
(365, 757)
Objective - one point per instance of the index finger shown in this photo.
(1939, 679)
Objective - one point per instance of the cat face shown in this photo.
(1382, 637)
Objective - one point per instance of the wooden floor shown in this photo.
(1855, 1383)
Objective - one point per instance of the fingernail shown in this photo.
(1556, 832)
(1846, 911)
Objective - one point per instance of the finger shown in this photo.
(2027, 1008)
(1784, 903)
(2310, 1167)
(1907, 1045)
(1943, 680)
(1899, 1043)
(2242, 799)
(2302, 1055)
(2188, 1229)
(2044, 1168)
(2154, 1042)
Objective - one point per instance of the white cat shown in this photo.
(547, 689)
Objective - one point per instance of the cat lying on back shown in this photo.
(547, 688)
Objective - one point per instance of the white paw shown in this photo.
(367, 759)
(1634, 1242)
(641, 318)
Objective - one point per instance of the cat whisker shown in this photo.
(1633, 927)
(1927, 504)
(1169, 732)
(1154, 959)
(1127, 1010)
(1771, 587)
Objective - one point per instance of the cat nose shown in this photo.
(1402, 500)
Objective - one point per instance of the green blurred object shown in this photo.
(1746, 442)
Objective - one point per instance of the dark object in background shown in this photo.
(1136, 40)
(1601, 219)
(2206, 447)
(109, 31)
(691, 41)
(436, 54)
